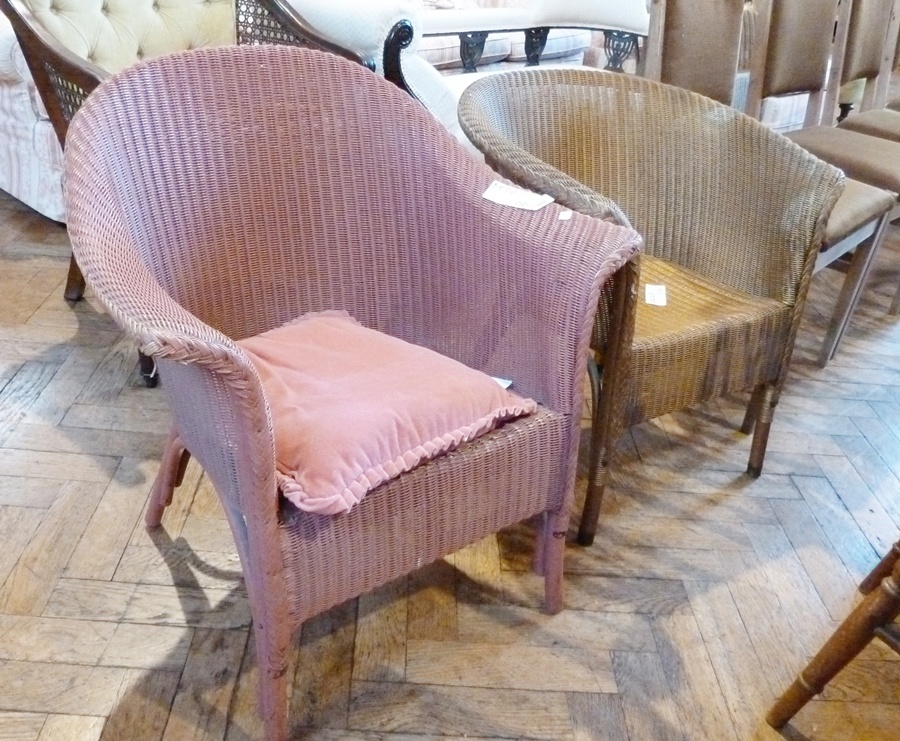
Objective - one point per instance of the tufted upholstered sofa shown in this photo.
(112, 34)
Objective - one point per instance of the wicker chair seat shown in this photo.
(704, 325)
(401, 525)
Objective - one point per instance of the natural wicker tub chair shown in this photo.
(201, 219)
(732, 215)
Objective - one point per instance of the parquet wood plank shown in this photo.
(869, 466)
(570, 629)
(200, 707)
(47, 465)
(839, 526)
(111, 374)
(56, 398)
(786, 575)
(860, 501)
(120, 419)
(98, 552)
(118, 443)
(703, 481)
(21, 726)
(713, 507)
(28, 587)
(147, 647)
(738, 671)
(187, 606)
(505, 666)
(824, 567)
(17, 525)
(690, 674)
(323, 669)
(462, 711)
(66, 689)
(72, 728)
(380, 651)
(647, 704)
(53, 640)
(180, 565)
(866, 681)
(885, 443)
(431, 603)
(779, 648)
(597, 717)
(21, 391)
(89, 600)
(22, 491)
(142, 706)
(847, 720)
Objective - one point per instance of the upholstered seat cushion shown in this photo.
(884, 123)
(867, 158)
(703, 325)
(859, 203)
(352, 407)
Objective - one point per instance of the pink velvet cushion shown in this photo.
(353, 407)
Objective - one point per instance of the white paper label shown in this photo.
(504, 382)
(510, 195)
(565, 215)
(655, 295)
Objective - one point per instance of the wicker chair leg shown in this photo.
(271, 652)
(554, 546)
(599, 465)
(170, 475)
(764, 414)
(74, 282)
(876, 610)
(752, 412)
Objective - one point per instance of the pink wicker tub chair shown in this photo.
(216, 194)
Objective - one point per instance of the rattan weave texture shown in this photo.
(733, 212)
(218, 193)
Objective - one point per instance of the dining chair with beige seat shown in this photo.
(797, 50)
(732, 214)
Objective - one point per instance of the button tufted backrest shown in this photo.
(114, 34)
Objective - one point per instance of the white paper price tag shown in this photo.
(655, 295)
(510, 195)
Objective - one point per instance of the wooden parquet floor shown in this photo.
(703, 595)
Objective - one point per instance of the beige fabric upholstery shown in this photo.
(799, 46)
(858, 204)
(874, 161)
(116, 33)
(709, 67)
(865, 43)
(883, 123)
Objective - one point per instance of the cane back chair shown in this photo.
(218, 193)
(732, 216)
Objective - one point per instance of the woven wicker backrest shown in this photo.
(706, 186)
(329, 175)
